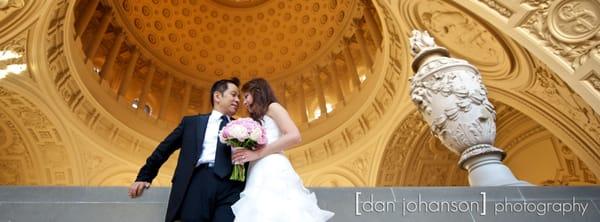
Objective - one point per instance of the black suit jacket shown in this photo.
(189, 135)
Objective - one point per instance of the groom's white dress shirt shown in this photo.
(211, 137)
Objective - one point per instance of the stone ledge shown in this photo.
(350, 204)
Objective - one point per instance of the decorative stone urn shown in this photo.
(453, 101)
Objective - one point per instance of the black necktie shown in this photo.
(223, 154)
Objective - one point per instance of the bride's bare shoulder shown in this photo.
(275, 106)
(275, 109)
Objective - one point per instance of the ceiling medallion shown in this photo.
(574, 21)
(240, 3)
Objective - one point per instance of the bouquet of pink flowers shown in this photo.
(245, 133)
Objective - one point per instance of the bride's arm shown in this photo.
(290, 136)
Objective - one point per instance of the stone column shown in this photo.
(363, 48)
(111, 58)
(281, 96)
(333, 75)
(320, 92)
(373, 28)
(302, 99)
(453, 101)
(351, 66)
(85, 18)
(99, 35)
(186, 98)
(147, 88)
(135, 55)
(166, 96)
(205, 105)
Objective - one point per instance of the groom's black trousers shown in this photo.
(209, 198)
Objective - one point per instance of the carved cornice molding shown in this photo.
(35, 150)
(498, 7)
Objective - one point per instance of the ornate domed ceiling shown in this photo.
(209, 39)
(163, 56)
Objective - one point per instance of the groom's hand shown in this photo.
(137, 188)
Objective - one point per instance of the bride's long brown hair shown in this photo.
(262, 95)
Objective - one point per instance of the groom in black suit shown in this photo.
(201, 188)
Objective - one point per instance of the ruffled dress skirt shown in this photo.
(274, 192)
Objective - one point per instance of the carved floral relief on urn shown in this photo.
(451, 97)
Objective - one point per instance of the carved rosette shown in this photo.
(452, 99)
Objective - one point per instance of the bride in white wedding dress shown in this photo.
(274, 191)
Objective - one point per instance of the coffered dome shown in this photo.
(208, 39)
(159, 58)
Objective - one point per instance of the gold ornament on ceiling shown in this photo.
(225, 36)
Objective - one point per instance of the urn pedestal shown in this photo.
(453, 101)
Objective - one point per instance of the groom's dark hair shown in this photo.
(221, 86)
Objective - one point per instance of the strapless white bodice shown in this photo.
(273, 132)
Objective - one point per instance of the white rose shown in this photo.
(255, 134)
(238, 132)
